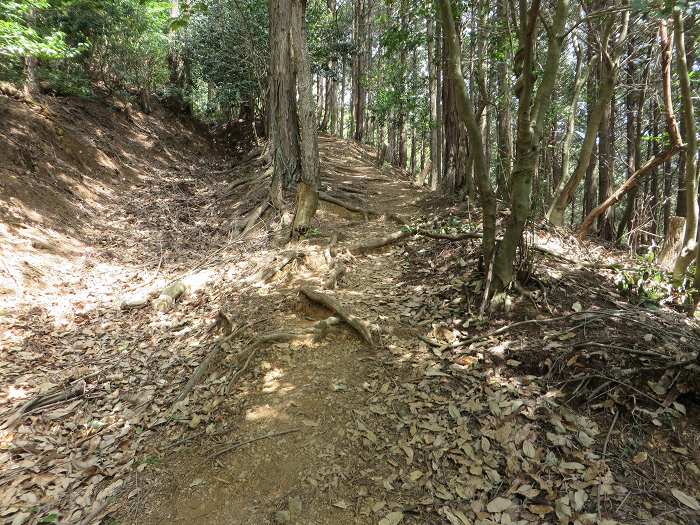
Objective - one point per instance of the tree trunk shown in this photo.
(689, 247)
(672, 243)
(504, 133)
(606, 156)
(654, 173)
(432, 91)
(532, 110)
(292, 127)
(579, 80)
(307, 190)
(465, 109)
(341, 122)
(611, 59)
(681, 198)
(657, 158)
(284, 121)
(634, 106)
(358, 64)
(31, 83)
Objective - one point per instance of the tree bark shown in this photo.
(432, 90)
(658, 158)
(341, 121)
(611, 59)
(358, 69)
(292, 112)
(532, 109)
(579, 80)
(691, 28)
(307, 189)
(284, 121)
(605, 170)
(465, 109)
(504, 133)
(689, 247)
(634, 106)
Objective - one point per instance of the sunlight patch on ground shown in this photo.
(262, 412)
(16, 393)
(272, 382)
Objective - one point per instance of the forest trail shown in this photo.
(307, 429)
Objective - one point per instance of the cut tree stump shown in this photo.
(672, 244)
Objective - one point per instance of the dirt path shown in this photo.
(317, 390)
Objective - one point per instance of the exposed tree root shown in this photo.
(239, 444)
(372, 244)
(318, 331)
(344, 204)
(75, 390)
(168, 295)
(329, 252)
(239, 183)
(253, 217)
(332, 280)
(213, 356)
(267, 273)
(360, 326)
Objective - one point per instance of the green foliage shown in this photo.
(227, 42)
(21, 35)
(115, 44)
(648, 285)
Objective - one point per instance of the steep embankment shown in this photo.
(346, 379)
(75, 186)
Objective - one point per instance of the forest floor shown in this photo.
(577, 405)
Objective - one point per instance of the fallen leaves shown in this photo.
(498, 505)
(686, 499)
(393, 518)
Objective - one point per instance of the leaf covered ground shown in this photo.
(577, 404)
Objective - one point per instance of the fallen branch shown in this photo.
(77, 389)
(630, 183)
(507, 328)
(239, 444)
(360, 326)
(645, 353)
(448, 236)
